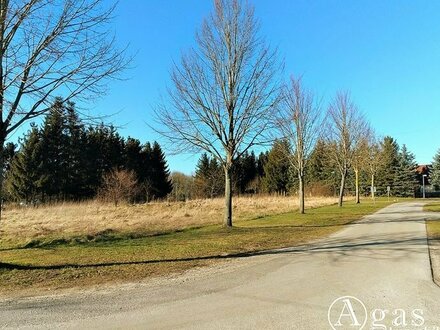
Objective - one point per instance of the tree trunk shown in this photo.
(228, 196)
(301, 194)
(342, 188)
(358, 199)
(2, 165)
(372, 186)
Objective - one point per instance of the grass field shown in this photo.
(62, 264)
(93, 220)
(433, 226)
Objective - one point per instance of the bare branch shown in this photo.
(53, 48)
(226, 90)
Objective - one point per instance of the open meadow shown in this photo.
(81, 245)
(65, 222)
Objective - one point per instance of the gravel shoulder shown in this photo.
(435, 260)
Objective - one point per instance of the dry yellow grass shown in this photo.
(92, 218)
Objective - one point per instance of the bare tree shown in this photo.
(50, 47)
(224, 91)
(300, 123)
(118, 186)
(373, 160)
(345, 127)
(360, 159)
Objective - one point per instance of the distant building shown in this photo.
(425, 170)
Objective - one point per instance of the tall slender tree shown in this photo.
(22, 177)
(406, 177)
(386, 176)
(346, 126)
(299, 121)
(374, 161)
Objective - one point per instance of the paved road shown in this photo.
(382, 260)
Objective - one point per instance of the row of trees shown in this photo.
(67, 160)
(227, 97)
(272, 173)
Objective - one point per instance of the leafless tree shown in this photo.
(183, 186)
(118, 186)
(373, 160)
(49, 48)
(224, 91)
(300, 122)
(360, 159)
(345, 128)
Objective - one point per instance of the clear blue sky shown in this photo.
(387, 53)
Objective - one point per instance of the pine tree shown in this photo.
(435, 172)
(22, 179)
(209, 178)
(103, 152)
(76, 170)
(386, 175)
(160, 174)
(244, 172)
(133, 155)
(406, 178)
(53, 179)
(276, 169)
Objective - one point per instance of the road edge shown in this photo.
(430, 248)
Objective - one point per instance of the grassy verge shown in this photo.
(433, 230)
(62, 265)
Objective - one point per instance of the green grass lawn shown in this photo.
(433, 230)
(119, 259)
(433, 226)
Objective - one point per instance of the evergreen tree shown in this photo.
(406, 178)
(64, 161)
(244, 172)
(76, 170)
(160, 175)
(386, 175)
(22, 179)
(435, 172)
(53, 179)
(209, 178)
(276, 169)
(103, 152)
(133, 155)
(261, 162)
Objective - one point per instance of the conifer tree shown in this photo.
(386, 175)
(76, 170)
(22, 179)
(53, 179)
(406, 178)
(244, 172)
(435, 172)
(160, 174)
(276, 169)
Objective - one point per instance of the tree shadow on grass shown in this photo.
(374, 247)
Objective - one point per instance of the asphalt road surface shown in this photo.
(382, 260)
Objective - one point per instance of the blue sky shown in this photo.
(387, 53)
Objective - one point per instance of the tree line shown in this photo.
(228, 97)
(65, 159)
(271, 173)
